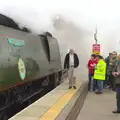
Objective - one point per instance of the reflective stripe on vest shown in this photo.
(100, 74)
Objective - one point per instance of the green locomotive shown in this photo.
(28, 63)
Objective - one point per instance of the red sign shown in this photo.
(96, 49)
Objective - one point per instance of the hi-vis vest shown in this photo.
(100, 70)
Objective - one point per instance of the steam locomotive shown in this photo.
(28, 63)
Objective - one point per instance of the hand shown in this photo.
(115, 74)
(110, 63)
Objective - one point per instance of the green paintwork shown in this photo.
(32, 50)
(16, 42)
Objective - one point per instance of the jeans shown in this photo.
(100, 85)
(90, 86)
(94, 84)
(118, 100)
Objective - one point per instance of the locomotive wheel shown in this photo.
(4, 98)
(55, 80)
(3, 116)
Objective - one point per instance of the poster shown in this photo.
(96, 49)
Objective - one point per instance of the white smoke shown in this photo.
(72, 22)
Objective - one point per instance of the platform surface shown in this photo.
(99, 107)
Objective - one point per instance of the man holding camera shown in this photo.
(116, 74)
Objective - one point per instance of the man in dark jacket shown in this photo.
(112, 64)
(71, 62)
(107, 60)
(116, 74)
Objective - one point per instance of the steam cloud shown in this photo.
(72, 22)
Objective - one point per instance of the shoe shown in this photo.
(107, 87)
(70, 87)
(74, 87)
(111, 91)
(98, 92)
(116, 111)
(93, 89)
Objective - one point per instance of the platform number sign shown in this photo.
(22, 69)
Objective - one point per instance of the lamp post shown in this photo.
(95, 35)
(96, 46)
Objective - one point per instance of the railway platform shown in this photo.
(59, 104)
(99, 107)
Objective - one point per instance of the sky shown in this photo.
(76, 17)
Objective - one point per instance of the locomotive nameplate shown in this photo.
(16, 42)
(22, 69)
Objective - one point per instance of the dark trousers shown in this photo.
(118, 100)
(95, 86)
(106, 81)
(112, 83)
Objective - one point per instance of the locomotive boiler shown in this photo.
(28, 63)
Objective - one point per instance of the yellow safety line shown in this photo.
(54, 111)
